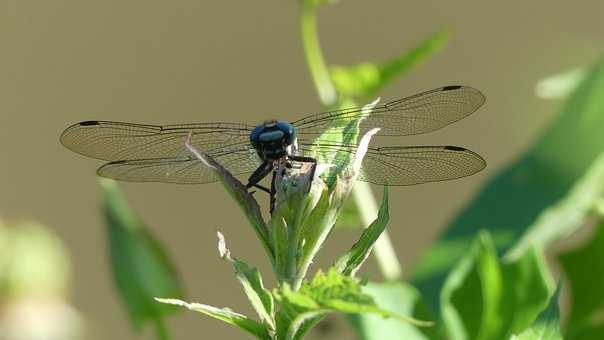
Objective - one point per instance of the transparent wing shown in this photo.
(421, 113)
(114, 141)
(409, 165)
(184, 169)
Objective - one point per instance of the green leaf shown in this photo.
(303, 323)
(354, 258)
(547, 325)
(366, 79)
(239, 193)
(397, 297)
(345, 133)
(513, 200)
(331, 292)
(584, 270)
(483, 298)
(223, 314)
(567, 215)
(250, 279)
(141, 267)
(319, 223)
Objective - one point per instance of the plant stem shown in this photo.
(161, 329)
(314, 55)
(382, 249)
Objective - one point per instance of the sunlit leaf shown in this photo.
(141, 267)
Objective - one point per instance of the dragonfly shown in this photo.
(155, 153)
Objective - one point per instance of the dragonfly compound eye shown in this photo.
(271, 136)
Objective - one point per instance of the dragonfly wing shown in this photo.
(180, 169)
(114, 141)
(421, 113)
(409, 165)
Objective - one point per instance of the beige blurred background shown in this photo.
(64, 61)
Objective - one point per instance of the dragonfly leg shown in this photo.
(263, 188)
(273, 192)
(262, 171)
(259, 174)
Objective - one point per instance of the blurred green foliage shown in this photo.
(483, 298)
(365, 80)
(584, 269)
(141, 267)
(398, 297)
(510, 202)
(547, 325)
(35, 279)
(33, 262)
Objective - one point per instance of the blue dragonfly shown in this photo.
(155, 153)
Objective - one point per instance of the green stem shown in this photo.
(161, 329)
(382, 249)
(314, 55)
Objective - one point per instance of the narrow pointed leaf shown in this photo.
(250, 279)
(141, 267)
(366, 79)
(239, 192)
(354, 258)
(223, 314)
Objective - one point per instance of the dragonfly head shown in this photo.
(273, 139)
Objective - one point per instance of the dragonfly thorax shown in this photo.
(273, 139)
